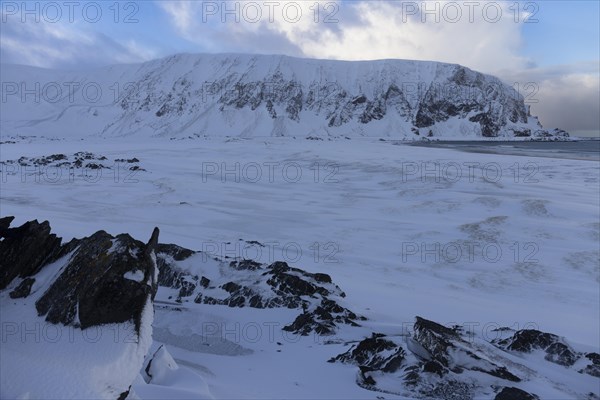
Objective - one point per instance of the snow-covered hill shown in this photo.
(256, 95)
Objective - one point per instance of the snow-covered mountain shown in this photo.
(260, 95)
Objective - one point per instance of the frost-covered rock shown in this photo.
(81, 162)
(159, 366)
(205, 279)
(374, 353)
(442, 362)
(556, 350)
(164, 378)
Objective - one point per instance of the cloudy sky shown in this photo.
(548, 49)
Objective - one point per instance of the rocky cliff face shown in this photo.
(247, 95)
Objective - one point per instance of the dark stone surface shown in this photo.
(25, 249)
(23, 289)
(177, 252)
(593, 368)
(204, 282)
(375, 353)
(167, 276)
(5, 224)
(512, 393)
(435, 338)
(430, 364)
(557, 350)
(93, 288)
(443, 344)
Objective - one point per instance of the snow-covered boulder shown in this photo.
(163, 378)
(205, 279)
(442, 362)
(78, 316)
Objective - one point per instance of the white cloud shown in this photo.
(180, 12)
(65, 45)
(365, 30)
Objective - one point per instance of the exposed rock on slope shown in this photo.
(81, 160)
(444, 363)
(555, 348)
(103, 279)
(251, 95)
(25, 250)
(246, 283)
(96, 281)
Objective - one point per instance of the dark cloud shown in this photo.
(563, 96)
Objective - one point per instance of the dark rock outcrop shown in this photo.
(593, 368)
(97, 280)
(5, 224)
(103, 279)
(447, 347)
(60, 166)
(264, 286)
(429, 364)
(512, 393)
(374, 353)
(442, 362)
(107, 280)
(25, 250)
(557, 350)
(23, 289)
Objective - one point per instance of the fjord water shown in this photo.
(575, 150)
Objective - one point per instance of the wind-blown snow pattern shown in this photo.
(407, 243)
(261, 95)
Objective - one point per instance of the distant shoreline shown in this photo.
(578, 149)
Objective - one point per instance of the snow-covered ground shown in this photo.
(482, 240)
